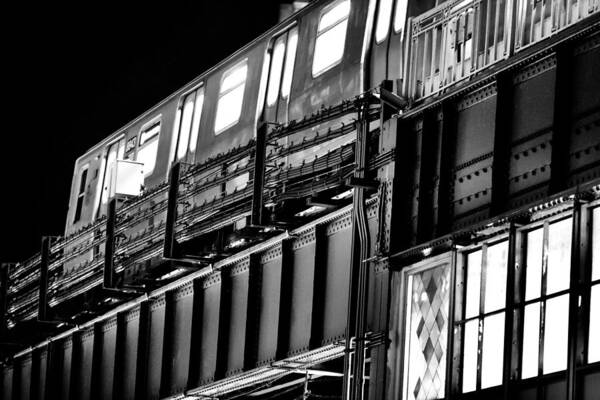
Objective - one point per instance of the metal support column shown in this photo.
(259, 175)
(169, 247)
(502, 143)
(109, 252)
(573, 344)
(4, 270)
(285, 302)
(253, 312)
(43, 282)
(224, 325)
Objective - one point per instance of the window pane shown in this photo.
(275, 76)
(535, 241)
(340, 11)
(555, 334)
(473, 283)
(329, 48)
(383, 19)
(196, 120)
(596, 245)
(531, 339)
(470, 356)
(559, 256)
(594, 342)
(229, 109)
(427, 329)
(290, 59)
(400, 17)
(493, 350)
(234, 77)
(495, 290)
(147, 155)
(186, 123)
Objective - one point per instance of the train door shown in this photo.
(281, 70)
(187, 124)
(114, 152)
(388, 43)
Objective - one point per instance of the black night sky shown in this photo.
(76, 72)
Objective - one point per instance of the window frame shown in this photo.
(415, 268)
(460, 319)
(179, 117)
(222, 94)
(145, 142)
(80, 194)
(520, 305)
(587, 279)
(319, 33)
(397, 29)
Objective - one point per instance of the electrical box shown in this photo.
(127, 179)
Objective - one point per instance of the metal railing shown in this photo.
(459, 38)
(539, 19)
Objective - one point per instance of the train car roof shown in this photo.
(270, 32)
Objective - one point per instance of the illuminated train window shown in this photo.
(485, 272)
(594, 326)
(282, 67)
(547, 283)
(80, 193)
(400, 15)
(383, 20)
(331, 38)
(426, 331)
(231, 97)
(149, 146)
(188, 122)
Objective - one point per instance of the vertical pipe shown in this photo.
(510, 311)
(574, 298)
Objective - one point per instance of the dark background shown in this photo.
(76, 72)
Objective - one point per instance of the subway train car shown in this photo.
(377, 199)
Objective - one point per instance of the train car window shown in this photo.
(383, 20)
(290, 60)
(80, 193)
(114, 152)
(231, 97)
(276, 67)
(331, 38)
(149, 146)
(188, 122)
(400, 16)
(547, 282)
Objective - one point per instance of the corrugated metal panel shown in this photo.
(210, 329)
(181, 321)
(7, 382)
(108, 336)
(268, 321)
(155, 346)
(130, 354)
(302, 293)
(239, 312)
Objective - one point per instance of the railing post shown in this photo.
(109, 251)
(259, 175)
(169, 247)
(43, 283)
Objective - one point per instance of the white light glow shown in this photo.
(470, 356)
(383, 19)
(594, 341)
(559, 256)
(531, 338)
(556, 334)
(290, 60)
(275, 73)
(493, 351)
(329, 48)
(473, 283)
(533, 287)
(337, 13)
(495, 290)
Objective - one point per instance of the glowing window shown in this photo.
(400, 16)
(485, 298)
(188, 122)
(290, 59)
(426, 332)
(149, 147)
(383, 19)
(80, 193)
(547, 273)
(331, 37)
(231, 97)
(276, 67)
